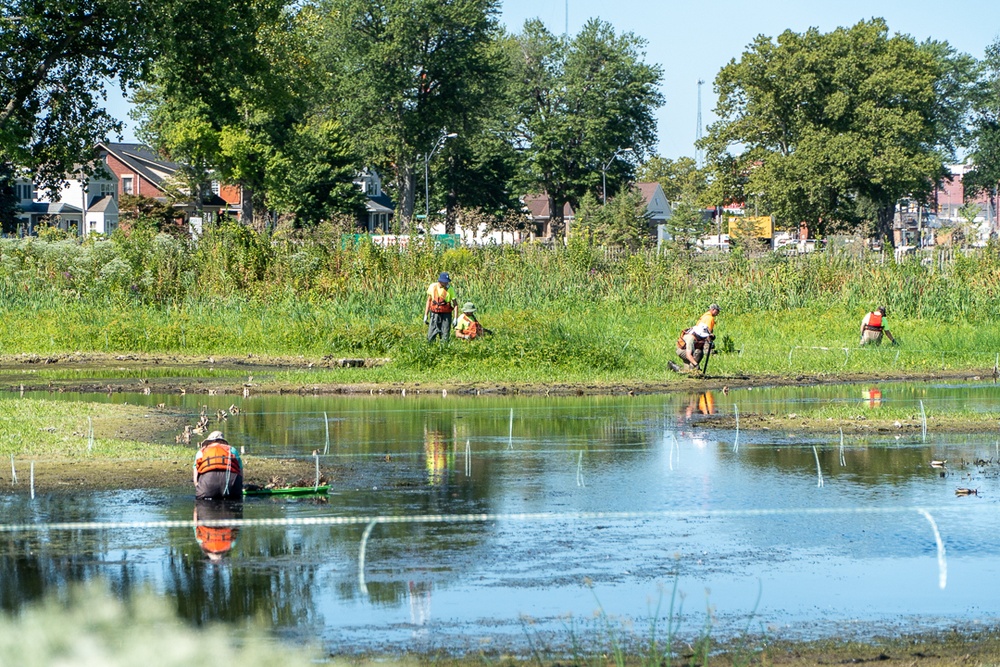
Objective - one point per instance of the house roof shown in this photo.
(49, 208)
(103, 205)
(143, 161)
(538, 207)
(647, 190)
(381, 203)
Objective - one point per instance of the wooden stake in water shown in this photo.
(923, 421)
(510, 435)
(13, 471)
(819, 472)
(843, 461)
(32, 477)
(90, 435)
(326, 422)
(316, 456)
(579, 470)
(736, 442)
(468, 459)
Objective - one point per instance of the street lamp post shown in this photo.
(604, 173)
(445, 136)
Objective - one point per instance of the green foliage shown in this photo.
(835, 127)
(579, 313)
(681, 179)
(626, 222)
(580, 101)
(402, 70)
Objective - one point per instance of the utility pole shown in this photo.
(697, 133)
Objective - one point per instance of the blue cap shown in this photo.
(444, 278)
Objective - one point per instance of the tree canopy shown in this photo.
(56, 59)
(833, 128)
(984, 151)
(580, 101)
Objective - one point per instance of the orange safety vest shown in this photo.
(471, 330)
(699, 343)
(218, 456)
(215, 539)
(874, 321)
(439, 299)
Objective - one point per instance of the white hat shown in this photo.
(214, 435)
(701, 331)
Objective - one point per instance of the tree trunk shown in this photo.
(556, 220)
(884, 226)
(405, 186)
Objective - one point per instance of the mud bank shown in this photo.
(13, 377)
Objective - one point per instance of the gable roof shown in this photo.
(648, 190)
(143, 161)
(104, 204)
(539, 207)
(49, 208)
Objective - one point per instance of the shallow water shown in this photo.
(618, 508)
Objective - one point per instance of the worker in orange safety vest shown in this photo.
(218, 470)
(872, 328)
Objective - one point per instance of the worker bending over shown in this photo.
(872, 328)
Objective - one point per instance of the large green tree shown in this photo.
(984, 153)
(244, 104)
(56, 59)
(581, 100)
(405, 71)
(833, 128)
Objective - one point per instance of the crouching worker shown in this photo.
(692, 345)
(872, 328)
(467, 326)
(218, 470)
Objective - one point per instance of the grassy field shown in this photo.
(576, 314)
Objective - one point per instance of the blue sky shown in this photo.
(692, 40)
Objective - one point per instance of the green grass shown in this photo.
(75, 429)
(561, 315)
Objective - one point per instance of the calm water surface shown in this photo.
(625, 505)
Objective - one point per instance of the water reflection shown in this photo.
(216, 539)
(664, 498)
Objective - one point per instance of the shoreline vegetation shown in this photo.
(581, 314)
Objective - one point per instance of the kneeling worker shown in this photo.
(872, 328)
(218, 470)
(691, 346)
(467, 326)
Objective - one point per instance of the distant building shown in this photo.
(87, 203)
(539, 211)
(950, 197)
(379, 208)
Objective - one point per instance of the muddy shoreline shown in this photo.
(11, 365)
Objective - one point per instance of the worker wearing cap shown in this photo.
(467, 326)
(437, 311)
(872, 328)
(218, 470)
(708, 319)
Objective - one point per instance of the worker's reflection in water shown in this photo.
(217, 540)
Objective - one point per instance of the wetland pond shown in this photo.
(464, 524)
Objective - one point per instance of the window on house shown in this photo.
(215, 187)
(107, 189)
(24, 191)
(128, 185)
